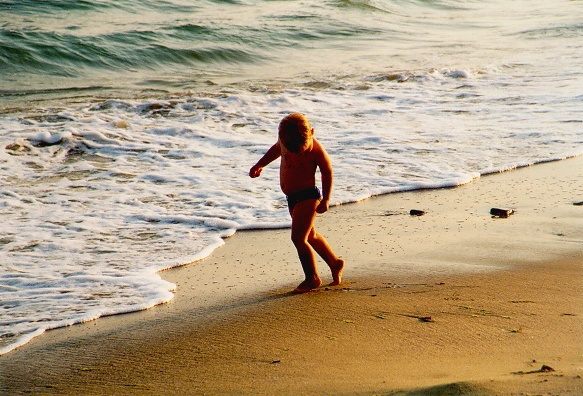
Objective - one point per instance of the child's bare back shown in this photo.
(301, 154)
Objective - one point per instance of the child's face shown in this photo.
(307, 146)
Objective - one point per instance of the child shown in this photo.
(300, 155)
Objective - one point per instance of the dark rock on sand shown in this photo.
(497, 212)
(416, 212)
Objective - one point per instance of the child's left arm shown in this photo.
(325, 165)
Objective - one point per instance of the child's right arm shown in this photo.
(272, 154)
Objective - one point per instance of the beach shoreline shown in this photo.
(454, 299)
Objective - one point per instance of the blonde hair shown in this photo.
(295, 131)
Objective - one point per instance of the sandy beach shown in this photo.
(451, 302)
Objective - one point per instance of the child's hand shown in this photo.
(323, 206)
(255, 171)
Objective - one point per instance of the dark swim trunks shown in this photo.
(302, 195)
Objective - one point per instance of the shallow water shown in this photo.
(127, 128)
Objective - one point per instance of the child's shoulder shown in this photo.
(316, 145)
(318, 148)
(319, 153)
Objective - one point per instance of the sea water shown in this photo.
(127, 127)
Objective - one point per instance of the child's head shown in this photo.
(295, 132)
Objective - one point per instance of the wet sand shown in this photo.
(452, 301)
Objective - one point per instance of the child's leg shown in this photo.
(321, 246)
(303, 215)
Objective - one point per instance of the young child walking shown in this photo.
(300, 155)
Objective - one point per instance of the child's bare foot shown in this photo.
(337, 269)
(308, 285)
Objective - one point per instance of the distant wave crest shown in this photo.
(69, 55)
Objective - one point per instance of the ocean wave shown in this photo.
(397, 7)
(48, 7)
(561, 31)
(69, 55)
(61, 91)
(62, 39)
